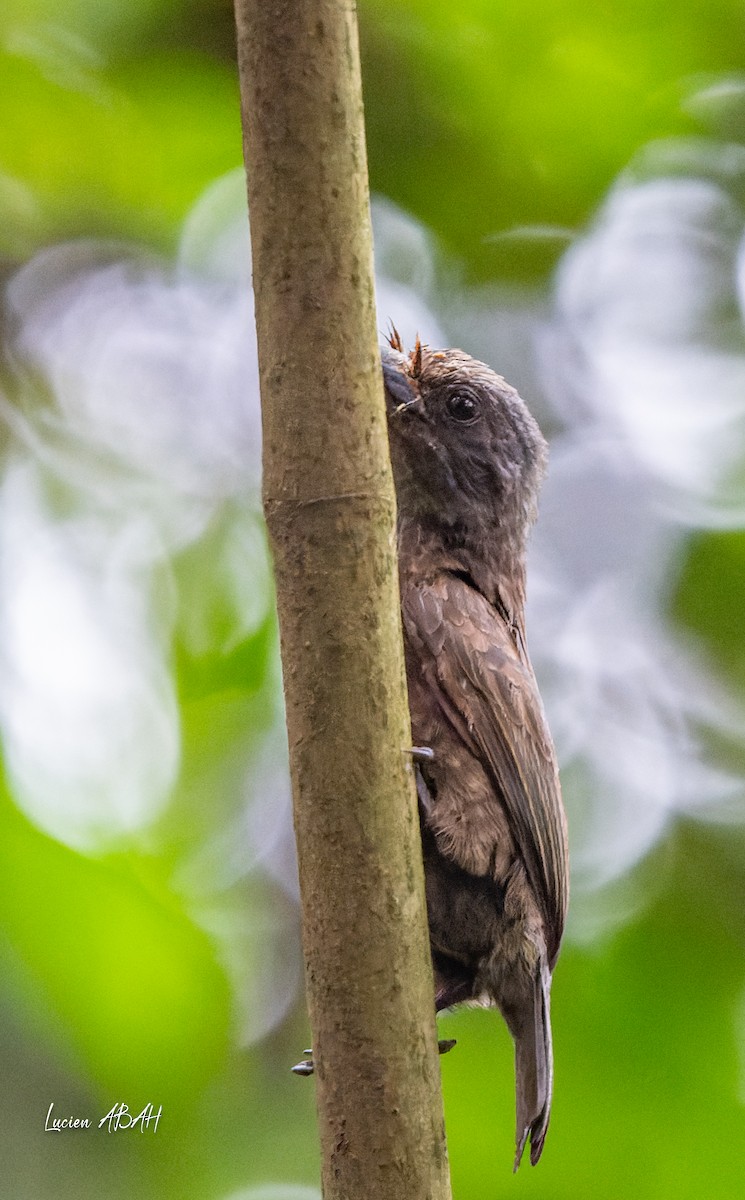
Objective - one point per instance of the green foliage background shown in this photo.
(482, 116)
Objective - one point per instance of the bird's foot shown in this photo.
(306, 1067)
(421, 753)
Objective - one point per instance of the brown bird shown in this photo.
(468, 460)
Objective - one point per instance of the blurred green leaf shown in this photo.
(85, 26)
(709, 598)
(124, 153)
(115, 959)
(486, 116)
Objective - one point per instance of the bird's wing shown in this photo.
(489, 692)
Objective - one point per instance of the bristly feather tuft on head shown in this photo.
(394, 339)
(416, 359)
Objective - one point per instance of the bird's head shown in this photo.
(467, 456)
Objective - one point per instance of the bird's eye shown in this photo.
(463, 407)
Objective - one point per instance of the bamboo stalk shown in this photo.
(330, 508)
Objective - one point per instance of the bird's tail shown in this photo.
(534, 1068)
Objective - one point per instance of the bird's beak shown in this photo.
(400, 388)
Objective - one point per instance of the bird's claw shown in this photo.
(421, 753)
(306, 1067)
